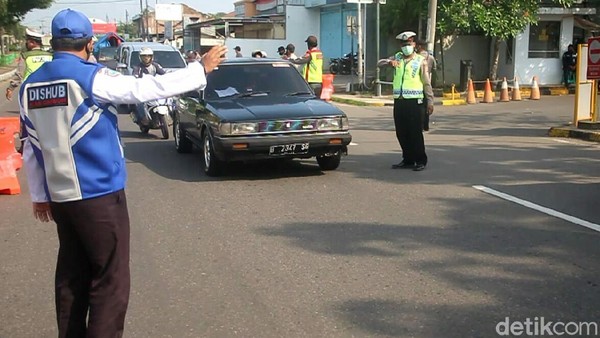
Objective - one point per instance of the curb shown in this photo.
(360, 102)
(567, 132)
(8, 75)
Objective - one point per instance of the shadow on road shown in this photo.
(471, 273)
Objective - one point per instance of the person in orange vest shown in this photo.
(313, 65)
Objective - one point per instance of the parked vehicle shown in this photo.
(158, 116)
(259, 109)
(344, 65)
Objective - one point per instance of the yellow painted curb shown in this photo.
(558, 132)
(455, 102)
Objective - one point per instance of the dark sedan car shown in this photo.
(254, 109)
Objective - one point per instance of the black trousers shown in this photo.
(92, 272)
(409, 116)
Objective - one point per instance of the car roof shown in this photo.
(250, 60)
(136, 46)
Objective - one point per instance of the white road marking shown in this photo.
(353, 144)
(548, 211)
(563, 141)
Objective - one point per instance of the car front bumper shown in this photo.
(239, 148)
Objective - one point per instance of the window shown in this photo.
(167, 59)
(544, 40)
(278, 79)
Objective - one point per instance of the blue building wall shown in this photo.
(335, 38)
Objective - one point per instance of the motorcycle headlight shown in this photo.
(330, 123)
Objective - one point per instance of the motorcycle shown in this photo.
(158, 116)
(344, 65)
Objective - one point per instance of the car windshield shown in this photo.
(107, 53)
(265, 79)
(165, 58)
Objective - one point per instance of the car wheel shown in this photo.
(182, 144)
(164, 127)
(212, 165)
(329, 162)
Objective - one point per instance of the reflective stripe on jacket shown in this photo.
(407, 78)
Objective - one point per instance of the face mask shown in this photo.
(407, 50)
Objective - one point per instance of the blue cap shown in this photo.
(72, 24)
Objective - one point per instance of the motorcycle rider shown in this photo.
(146, 66)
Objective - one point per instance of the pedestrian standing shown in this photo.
(431, 66)
(30, 60)
(76, 170)
(313, 65)
(413, 98)
(569, 64)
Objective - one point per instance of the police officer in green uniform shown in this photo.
(30, 61)
(413, 98)
(313, 65)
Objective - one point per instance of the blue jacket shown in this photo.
(74, 138)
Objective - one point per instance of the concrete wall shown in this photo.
(462, 47)
(300, 23)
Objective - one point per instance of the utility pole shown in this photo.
(431, 22)
(360, 47)
(141, 19)
(378, 46)
(126, 22)
(147, 23)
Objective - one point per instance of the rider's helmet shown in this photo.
(146, 55)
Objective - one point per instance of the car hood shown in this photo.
(265, 108)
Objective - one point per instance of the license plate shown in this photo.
(286, 149)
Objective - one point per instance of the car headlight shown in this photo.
(238, 128)
(331, 123)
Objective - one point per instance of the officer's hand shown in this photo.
(213, 57)
(9, 94)
(41, 211)
(394, 63)
(430, 109)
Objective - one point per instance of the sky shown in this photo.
(40, 19)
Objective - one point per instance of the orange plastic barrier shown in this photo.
(10, 159)
(327, 87)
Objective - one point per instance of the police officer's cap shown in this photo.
(33, 35)
(405, 36)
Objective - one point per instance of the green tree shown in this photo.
(498, 19)
(401, 15)
(128, 28)
(13, 11)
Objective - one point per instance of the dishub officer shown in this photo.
(76, 170)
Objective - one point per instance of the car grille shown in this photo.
(307, 125)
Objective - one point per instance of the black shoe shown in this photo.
(403, 165)
(419, 167)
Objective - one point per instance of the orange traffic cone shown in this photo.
(504, 92)
(535, 90)
(488, 96)
(516, 92)
(471, 93)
